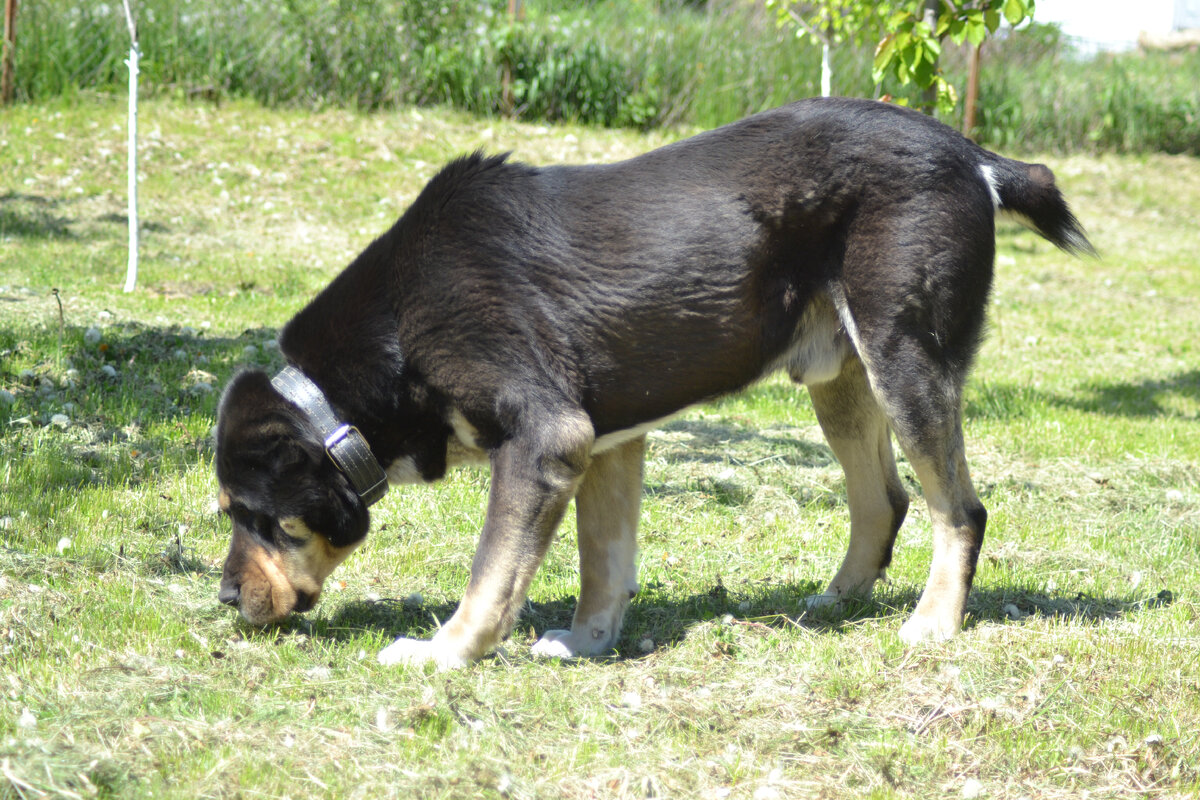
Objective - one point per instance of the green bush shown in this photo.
(1036, 95)
(610, 62)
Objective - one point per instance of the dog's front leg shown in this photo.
(607, 508)
(534, 477)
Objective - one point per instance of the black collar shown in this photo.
(343, 442)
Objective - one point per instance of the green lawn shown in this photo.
(1078, 674)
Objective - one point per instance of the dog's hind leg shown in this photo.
(922, 399)
(535, 473)
(917, 353)
(607, 507)
(912, 298)
(857, 431)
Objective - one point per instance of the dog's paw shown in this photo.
(927, 628)
(566, 644)
(417, 652)
(820, 601)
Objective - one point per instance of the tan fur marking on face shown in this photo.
(310, 563)
(270, 578)
(223, 500)
(266, 592)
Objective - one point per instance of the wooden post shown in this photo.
(972, 91)
(516, 12)
(9, 46)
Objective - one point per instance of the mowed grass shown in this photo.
(1078, 674)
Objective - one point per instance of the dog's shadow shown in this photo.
(655, 622)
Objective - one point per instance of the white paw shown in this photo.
(827, 600)
(565, 644)
(554, 644)
(417, 652)
(920, 628)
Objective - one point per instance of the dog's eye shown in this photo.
(259, 524)
(284, 536)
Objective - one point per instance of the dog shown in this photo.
(541, 320)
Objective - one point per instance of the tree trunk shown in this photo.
(9, 46)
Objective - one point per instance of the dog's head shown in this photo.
(295, 515)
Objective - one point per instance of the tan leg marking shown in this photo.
(956, 540)
(858, 433)
(607, 509)
(533, 479)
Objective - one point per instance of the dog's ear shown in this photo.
(270, 455)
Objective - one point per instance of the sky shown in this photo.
(1106, 24)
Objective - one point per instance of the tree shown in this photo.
(913, 33)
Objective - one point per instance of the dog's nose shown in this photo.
(229, 595)
(304, 602)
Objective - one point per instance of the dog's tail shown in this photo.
(1028, 193)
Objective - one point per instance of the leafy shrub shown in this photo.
(610, 62)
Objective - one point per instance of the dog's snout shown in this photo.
(229, 595)
(304, 602)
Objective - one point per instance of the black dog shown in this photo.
(542, 320)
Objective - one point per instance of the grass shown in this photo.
(121, 676)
